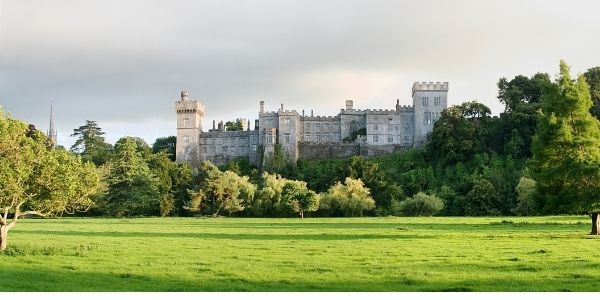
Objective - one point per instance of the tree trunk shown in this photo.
(595, 224)
(301, 214)
(3, 237)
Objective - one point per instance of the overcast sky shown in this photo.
(123, 63)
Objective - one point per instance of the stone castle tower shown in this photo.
(429, 100)
(189, 127)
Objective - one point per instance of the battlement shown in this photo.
(321, 118)
(184, 105)
(226, 134)
(429, 86)
(268, 114)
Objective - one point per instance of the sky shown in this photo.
(123, 63)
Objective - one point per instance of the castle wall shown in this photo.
(310, 137)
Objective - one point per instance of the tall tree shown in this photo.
(566, 150)
(90, 143)
(37, 180)
(351, 198)
(132, 188)
(165, 144)
(592, 76)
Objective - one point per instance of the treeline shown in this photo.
(474, 164)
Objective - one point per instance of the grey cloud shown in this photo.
(124, 62)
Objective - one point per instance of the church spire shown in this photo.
(51, 130)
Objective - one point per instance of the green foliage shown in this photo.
(35, 179)
(166, 144)
(355, 134)
(167, 206)
(223, 191)
(525, 196)
(90, 143)
(566, 148)
(298, 197)
(350, 199)
(132, 187)
(592, 77)
(234, 125)
(460, 133)
(420, 204)
(482, 199)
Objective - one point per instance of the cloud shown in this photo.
(123, 63)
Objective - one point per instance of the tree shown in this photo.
(351, 198)
(525, 192)
(459, 133)
(482, 199)
(132, 188)
(299, 198)
(592, 76)
(421, 204)
(566, 150)
(90, 143)
(222, 191)
(35, 180)
(165, 144)
(234, 125)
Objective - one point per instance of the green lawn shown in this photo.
(314, 254)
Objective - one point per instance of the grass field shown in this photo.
(349, 254)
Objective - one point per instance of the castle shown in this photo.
(296, 136)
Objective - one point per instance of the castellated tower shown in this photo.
(429, 100)
(189, 127)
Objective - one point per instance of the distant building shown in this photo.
(351, 132)
(51, 134)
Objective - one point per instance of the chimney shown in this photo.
(255, 124)
(262, 107)
(281, 106)
(248, 125)
(311, 113)
(214, 124)
(303, 112)
(349, 104)
(221, 126)
(397, 104)
(184, 95)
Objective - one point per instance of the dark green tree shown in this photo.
(592, 76)
(165, 144)
(90, 143)
(132, 188)
(566, 150)
(234, 125)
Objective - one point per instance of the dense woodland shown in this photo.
(540, 156)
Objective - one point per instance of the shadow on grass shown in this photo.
(230, 236)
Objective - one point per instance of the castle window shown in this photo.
(425, 101)
(375, 139)
(186, 139)
(232, 149)
(186, 122)
(318, 138)
(204, 150)
(224, 149)
(287, 138)
(253, 147)
(318, 126)
(396, 128)
(390, 127)
(375, 127)
(307, 137)
(326, 127)
(390, 139)
(286, 120)
(243, 149)
(269, 139)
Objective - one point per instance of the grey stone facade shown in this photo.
(376, 131)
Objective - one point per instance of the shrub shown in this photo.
(420, 204)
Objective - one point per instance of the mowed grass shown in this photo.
(314, 254)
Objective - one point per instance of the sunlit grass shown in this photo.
(314, 254)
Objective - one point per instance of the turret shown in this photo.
(189, 127)
(429, 100)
